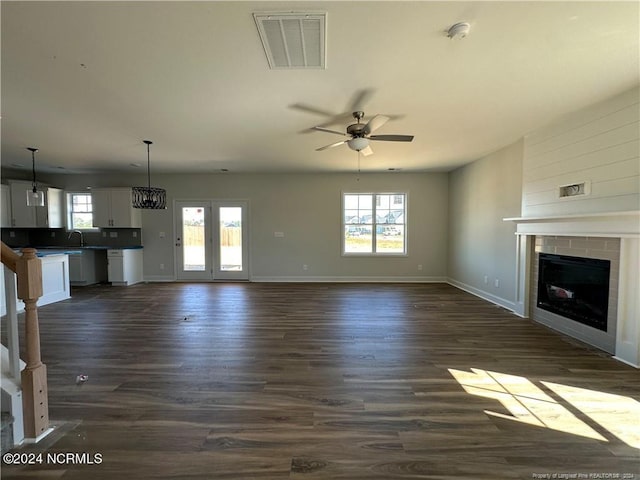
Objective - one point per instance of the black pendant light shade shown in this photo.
(35, 197)
(149, 197)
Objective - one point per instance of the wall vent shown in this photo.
(574, 189)
(293, 40)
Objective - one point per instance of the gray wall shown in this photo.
(481, 245)
(306, 207)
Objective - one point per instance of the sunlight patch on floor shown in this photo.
(618, 414)
(528, 403)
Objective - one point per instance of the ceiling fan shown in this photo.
(360, 134)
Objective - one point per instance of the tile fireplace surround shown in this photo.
(614, 236)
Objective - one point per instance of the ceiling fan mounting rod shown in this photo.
(358, 115)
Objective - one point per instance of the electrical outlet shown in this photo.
(420, 267)
(497, 283)
(104, 234)
(53, 234)
(486, 279)
(162, 234)
(162, 266)
(278, 234)
(305, 267)
(134, 233)
(113, 234)
(12, 234)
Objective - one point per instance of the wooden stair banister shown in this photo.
(9, 257)
(28, 269)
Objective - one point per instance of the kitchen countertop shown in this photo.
(58, 252)
(50, 253)
(88, 247)
(65, 250)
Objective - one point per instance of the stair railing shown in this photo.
(28, 270)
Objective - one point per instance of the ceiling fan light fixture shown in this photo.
(150, 198)
(358, 143)
(458, 31)
(35, 197)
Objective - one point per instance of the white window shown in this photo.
(79, 211)
(374, 223)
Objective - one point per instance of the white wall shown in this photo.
(481, 244)
(598, 144)
(306, 207)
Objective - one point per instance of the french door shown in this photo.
(211, 240)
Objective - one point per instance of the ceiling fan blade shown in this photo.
(367, 151)
(312, 109)
(322, 129)
(375, 123)
(337, 144)
(392, 138)
(359, 99)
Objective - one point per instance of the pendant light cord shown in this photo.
(33, 167)
(148, 142)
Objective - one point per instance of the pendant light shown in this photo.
(35, 197)
(149, 197)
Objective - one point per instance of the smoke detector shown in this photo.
(459, 30)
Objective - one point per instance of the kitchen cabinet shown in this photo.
(113, 208)
(5, 206)
(49, 216)
(87, 268)
(124, 266)
(55, 282)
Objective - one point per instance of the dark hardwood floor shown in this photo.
(324, 381)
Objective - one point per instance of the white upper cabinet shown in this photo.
(113, 208)
(23, 216)
(50, 216)
(5, 206)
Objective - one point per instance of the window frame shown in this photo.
(69, 212)
(374, 224)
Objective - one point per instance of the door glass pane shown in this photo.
(193, 246)
(231, 239)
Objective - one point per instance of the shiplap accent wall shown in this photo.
(597, 145)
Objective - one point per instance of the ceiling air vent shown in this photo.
(293, 40)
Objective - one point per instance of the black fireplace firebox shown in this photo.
(575, 287)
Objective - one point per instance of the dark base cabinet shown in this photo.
(88, 268)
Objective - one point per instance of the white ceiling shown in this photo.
(86, 81)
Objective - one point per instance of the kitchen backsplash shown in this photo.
(59, 237)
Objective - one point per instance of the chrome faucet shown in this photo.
(81, 236)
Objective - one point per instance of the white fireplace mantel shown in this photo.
(624, 225)
(607, 224)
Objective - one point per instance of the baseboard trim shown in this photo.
(158, 278)
(350, 279)
(502, 302)
(631, 364)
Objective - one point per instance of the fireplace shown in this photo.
(575, 288)
(612, 236)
